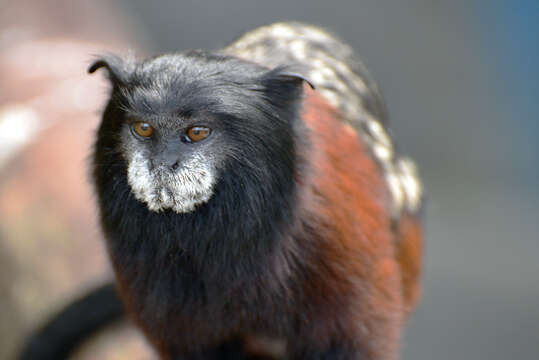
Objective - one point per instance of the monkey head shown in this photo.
(185, 121)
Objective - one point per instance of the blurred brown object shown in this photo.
(50, 244)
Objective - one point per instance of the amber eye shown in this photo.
(143, 129)
(198, 133)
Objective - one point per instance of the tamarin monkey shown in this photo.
(253, 202)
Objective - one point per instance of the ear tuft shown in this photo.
(296, 77)
(96, 65)
(119, 70)
(289, 74)
(284, 85)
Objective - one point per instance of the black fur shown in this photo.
(199, 279)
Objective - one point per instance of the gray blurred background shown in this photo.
(461, 83)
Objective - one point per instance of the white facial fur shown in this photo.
(163, 188)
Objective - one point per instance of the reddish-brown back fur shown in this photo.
(409, 256)
(367, 274)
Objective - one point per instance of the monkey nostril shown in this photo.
(176, 165)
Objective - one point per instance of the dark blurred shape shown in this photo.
(72, 325)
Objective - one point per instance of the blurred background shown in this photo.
(461, 83)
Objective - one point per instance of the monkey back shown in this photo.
(341, 78)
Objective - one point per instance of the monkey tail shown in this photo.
(62, 333)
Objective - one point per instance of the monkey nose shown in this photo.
(167, 161)
(168, 155)
(172, 164)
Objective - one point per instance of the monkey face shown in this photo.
(170, 162)
(186, 123)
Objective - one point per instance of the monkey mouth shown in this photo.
(161, 189)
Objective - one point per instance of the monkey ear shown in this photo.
(119, 70)
(284, 86)
(296, 77)
(289, 74)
